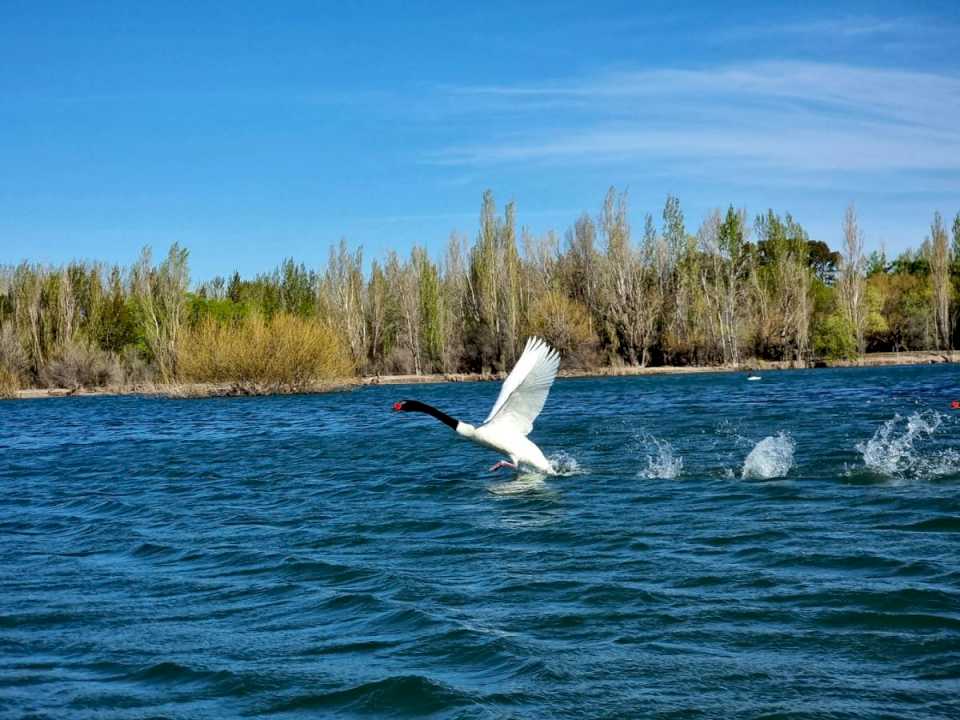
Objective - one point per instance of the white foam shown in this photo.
(770, 458)
(892, 450)
(565, 464)
(527, 483)
(664, 463)
(943, 463)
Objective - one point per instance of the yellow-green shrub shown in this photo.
(9, 383)
(564, 323)
(286, 351)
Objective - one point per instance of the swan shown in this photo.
(510, 421)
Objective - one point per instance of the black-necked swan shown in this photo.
(510, 421)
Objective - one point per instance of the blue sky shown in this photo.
(250, 132)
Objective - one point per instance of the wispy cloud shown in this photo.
(801, 116)
(850, 27)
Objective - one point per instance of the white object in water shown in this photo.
(754, 377)
(770, 458)
(510, 421)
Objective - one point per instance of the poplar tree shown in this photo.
(852, 282)
(483, 334)
(430, 319)
(729, 271)
(341, 298)
(509, 300)
(377, 306)
(939, 259)
(161, 294)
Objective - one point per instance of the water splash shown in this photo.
(893, 451)
(565, 464)
(770, 458)
(664, 463)
(942, 464)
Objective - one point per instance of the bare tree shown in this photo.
(342, 299)
(580, 264)
(454, 301)
(939, 257)
(782, 287)
(724, 275)
(852, 285)
(509, 297)
(162, 295)
(955, 271)
(377, 312)
(27, 292)
(625, 281)
(403, 279)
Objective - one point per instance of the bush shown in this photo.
(81, 364)
(285, 352)
(13, 358)
(565, 324)
(9, 383)
(399, 361)
(833, 338)
(136, 370)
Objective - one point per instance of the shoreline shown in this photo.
(920, 357)
(208, 390)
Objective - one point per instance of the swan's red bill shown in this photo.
(398, 406)
(955, 405)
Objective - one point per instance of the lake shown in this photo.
(713, 547)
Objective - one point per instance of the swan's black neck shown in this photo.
(417, 406)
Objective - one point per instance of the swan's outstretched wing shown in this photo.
(525, 390)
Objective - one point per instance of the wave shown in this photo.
(398, 694)
(893, 450)
(941, 524)
(215, 682)
(770, 458)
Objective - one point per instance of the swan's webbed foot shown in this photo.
(503, 463)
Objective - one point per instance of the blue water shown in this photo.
(323, 556)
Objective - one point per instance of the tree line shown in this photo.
(604, 293)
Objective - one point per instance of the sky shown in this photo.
(252, 132)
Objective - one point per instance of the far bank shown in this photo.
(237, 389)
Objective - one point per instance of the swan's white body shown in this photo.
(521, 399)
(521, 450)
(510, 421)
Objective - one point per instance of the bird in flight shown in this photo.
(510, 421)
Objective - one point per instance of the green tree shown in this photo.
(431, 310)
(482, 339)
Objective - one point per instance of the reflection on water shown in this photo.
(521, 484)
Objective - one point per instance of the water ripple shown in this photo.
(311, 556)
